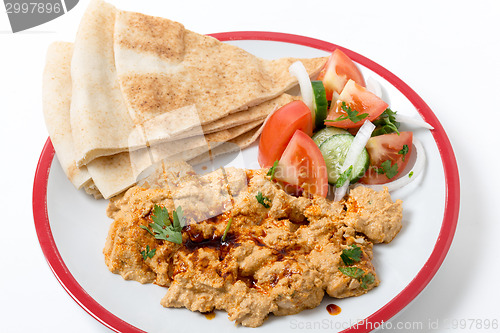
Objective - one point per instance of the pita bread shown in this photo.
(92, 190)
(100, 120)
(56, 95)
(214, 141)
(162, 66)
(236, 144)
(258, 112)
(129, 69)
(114, 174)
(170, 148)
(136, 89)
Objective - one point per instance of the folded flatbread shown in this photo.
(258, 112)
(100, 121)
(107, 176)
(92, 190)
(138, 78)
(56, 96)
(135, 89)
(238, 143)
(114, 174)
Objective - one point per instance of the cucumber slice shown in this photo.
(320, 103)
(320, 136)
(334, 151)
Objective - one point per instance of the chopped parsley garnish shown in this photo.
(227, 228)
(351, 255)
(148, 253)
(353, 272)
(358, 274)
(264, 201)
(179, 219)
(272, 170)
(410, 174)
(162, 227)
(351, 114)
(404, 151)
(386, 123)
(344, 176)
(387, 169)
(366, 280)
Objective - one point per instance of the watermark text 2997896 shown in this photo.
(472, 324)
(33, 7)
(26, 14)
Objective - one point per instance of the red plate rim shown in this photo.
(423, 277)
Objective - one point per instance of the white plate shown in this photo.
(72, 227)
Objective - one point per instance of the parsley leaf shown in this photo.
(404, 151)
(387, 169)
(162, 228)
(227, 228)
(179, 219)
(353, 272)
(358, 274)
(351, 114)
(148, 253)
(410, 174)
(344, 176)
(264, 201)
(390, 170)
(386, 123)
(272, 170)
(160, 215)
(351, 255)
(366, 280)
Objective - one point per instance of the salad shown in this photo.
(341, 133)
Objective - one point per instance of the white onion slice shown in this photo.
(413, 121)
(341, 191)
(404, 180)
(357, 146)
(298, 70)
(374, 86)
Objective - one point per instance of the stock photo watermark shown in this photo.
(28, 14)
(454, 324)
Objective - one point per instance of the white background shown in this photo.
(447, 51)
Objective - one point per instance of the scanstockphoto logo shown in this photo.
(28, 14)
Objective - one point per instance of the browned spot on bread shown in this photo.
(164, 38)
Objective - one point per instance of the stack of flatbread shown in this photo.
(133, 90)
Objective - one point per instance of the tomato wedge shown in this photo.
(357, 99)
(303, 165)
(279, 129)
(337, 71)
(383, 148)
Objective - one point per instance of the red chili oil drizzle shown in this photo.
(333, 309)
